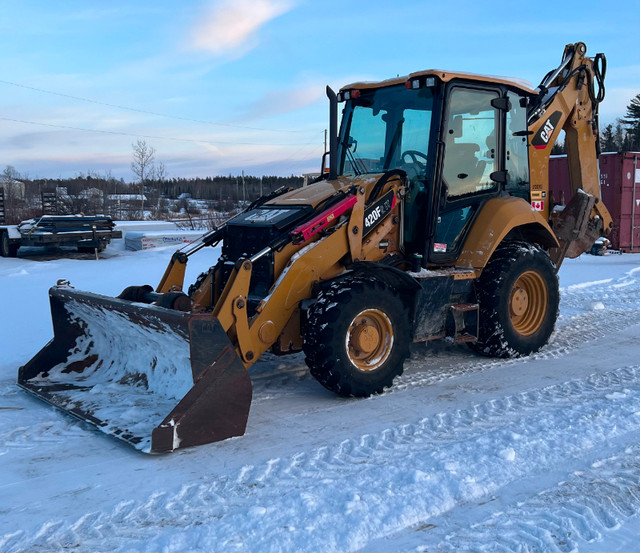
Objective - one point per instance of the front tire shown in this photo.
(357, 336)
(519, 296)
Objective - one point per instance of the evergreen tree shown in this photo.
(558, 149)
(619, 136)
(632, 124)
(607, 140)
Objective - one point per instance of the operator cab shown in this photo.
(461, 139)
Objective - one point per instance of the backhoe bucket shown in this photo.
(156, 378)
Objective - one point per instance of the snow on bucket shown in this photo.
(156, 378)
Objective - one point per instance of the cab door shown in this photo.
(471, 162)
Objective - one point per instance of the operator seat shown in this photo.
(462, 169)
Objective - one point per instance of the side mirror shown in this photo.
(499, 176)
(323, 165)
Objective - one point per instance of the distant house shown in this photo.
(13, 188)
(91, 194)
(127, 198)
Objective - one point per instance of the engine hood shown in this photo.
(317, 192)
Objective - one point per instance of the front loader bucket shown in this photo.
(156, 378)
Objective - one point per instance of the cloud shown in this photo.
(231, 25)
(283, 101)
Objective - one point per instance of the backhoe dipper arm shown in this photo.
(568, 101)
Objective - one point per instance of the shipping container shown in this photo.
(620, 185)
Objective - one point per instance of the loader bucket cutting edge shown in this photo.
(156, 378)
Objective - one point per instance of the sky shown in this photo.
(219, 87)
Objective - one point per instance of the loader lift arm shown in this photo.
(321, 244)
(568, 101)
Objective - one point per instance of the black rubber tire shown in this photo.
(193, 288)
(510, 265)
(326, 336)
(7, 249)
(91, 249)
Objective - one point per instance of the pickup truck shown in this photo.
(85, 233)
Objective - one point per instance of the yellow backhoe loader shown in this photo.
(432, 220)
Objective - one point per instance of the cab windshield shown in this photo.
(384, 129)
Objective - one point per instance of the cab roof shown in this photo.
(446, 76)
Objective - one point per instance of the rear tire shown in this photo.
(519, 296)
(357, 336)
(7, 249)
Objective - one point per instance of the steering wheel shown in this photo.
(415, 163)
(415, 157)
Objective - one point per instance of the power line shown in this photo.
(80, 98)
(143, 135)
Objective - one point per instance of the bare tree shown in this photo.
(158, 175)
(142, 165)
(13, 193)
(159, 172)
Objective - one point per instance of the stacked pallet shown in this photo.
(66, 223)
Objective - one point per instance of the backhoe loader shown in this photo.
(432, 220)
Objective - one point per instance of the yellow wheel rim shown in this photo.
(369, 339)
(528, 303)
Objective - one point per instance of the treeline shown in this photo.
(235, 189)
(162, 198)
(208, 188)
(619, 139)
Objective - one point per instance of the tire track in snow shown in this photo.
(571, 332)
(380, 483)
(57, 430)
(442, 361)
(561, 518)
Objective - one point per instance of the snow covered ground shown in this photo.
(464, 454)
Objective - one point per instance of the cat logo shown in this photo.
(547, 131)
(543, 136)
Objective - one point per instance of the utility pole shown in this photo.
(244, 190)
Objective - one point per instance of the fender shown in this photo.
(403, 282)
(497, 219)
(400, 280)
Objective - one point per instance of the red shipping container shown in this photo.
(620, 185)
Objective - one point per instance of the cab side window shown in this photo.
(470, 142)
(469, 159)
(517, 157)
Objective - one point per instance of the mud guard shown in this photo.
(156, 378)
